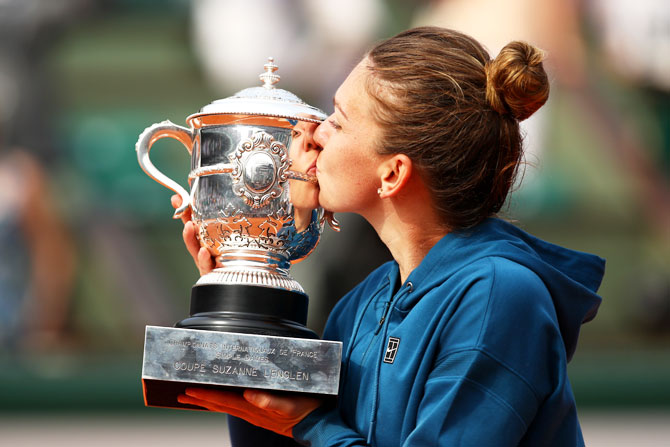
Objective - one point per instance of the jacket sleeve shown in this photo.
(324, 427)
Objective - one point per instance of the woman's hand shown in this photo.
(201, 256)
(279, 413)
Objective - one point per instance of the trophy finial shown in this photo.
(269, 78)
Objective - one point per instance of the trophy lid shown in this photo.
(266, 100)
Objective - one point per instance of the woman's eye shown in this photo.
(295, 134)
(333, 123)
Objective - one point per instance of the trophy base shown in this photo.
(249, 310)
(176, 358)
(237, 337)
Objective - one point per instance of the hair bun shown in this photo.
(516, 82)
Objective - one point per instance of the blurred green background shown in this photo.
(82, 79)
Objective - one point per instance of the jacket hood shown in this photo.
(571, 277)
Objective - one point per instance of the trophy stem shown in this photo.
(235, 272)
(248, 309)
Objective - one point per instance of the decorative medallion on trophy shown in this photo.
(254, 197)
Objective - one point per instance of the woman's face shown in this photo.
(348, 163)
(303, 153)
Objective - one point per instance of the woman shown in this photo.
(464, 338)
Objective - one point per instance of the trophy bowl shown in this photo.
(254, 198)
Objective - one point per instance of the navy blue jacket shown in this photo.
(470, 351)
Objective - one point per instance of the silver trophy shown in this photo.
(254, 197)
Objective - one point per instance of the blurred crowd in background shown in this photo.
(89, 254)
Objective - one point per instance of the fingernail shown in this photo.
(254, 397)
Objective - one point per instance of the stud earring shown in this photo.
(379, 190)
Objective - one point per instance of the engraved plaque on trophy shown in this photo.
(254, 197)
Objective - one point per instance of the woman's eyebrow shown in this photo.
(338, 107)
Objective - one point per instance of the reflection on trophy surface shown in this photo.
(254, 196)
(304, 195)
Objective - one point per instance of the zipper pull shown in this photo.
(387, 306)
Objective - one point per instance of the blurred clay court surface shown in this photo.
(601, 429)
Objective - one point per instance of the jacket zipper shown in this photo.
(387, 307)
(409, 287)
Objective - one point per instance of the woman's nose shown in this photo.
(320, 135)
(308, 137)
(310, 144)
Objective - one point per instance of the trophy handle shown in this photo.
(153, 133)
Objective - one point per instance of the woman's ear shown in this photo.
(395, 172)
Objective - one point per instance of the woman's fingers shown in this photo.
(224, 398)
(191, 240)
(205, 261)
(201, 256)
(275, 412)
(176, 201)
(232, 404)
(215, 400)
(290, 406)
(246, 414)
